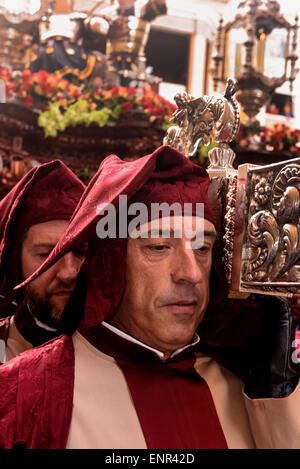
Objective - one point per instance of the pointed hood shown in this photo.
(48, 192)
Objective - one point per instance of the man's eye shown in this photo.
(44, 254)
(203, 249)
(158, 247)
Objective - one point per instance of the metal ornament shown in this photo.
(257, 208)
(258, 19)
(196, 119)
(270, 247)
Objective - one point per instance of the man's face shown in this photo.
(167, 287)
(48, 294)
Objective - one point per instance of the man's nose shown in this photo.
(69, 267)
(185, 267)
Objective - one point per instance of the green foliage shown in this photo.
(203, 150)
(85, 174)
(57, 119)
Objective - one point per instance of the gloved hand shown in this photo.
(272, 372)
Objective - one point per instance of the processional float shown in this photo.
(257, 208)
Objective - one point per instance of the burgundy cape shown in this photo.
(36, 388)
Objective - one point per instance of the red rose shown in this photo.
(147, 103)
(26, 73)
(158, 110)
(131, 92)
(5, 74)
(277, 145)
(114, 91)
(127, 106)
(28, 101)
(27, 85)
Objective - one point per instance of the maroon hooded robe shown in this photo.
(48, 192)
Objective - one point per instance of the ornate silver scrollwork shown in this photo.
(263, 234)
(262, 189)
(196, 119)
(291, 243)
(271, 246)
(285, 194)
(229, 222)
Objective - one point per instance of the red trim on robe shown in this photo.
(175, 409)
(173, 403)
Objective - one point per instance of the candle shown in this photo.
(238, 59)
(260, 55)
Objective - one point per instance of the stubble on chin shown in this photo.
(43, 309)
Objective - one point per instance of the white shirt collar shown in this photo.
(160, 354)
(43, 326)
(39, 323)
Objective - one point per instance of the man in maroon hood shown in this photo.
(33, 217)
(136, 373)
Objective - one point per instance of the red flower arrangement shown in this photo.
(278, 138)
(38, 89)
(53, 96)
(154, 107)
(43, 90)
(281, 138)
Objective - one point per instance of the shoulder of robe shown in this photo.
(28, 380)
(37, 358)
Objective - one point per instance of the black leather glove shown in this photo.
(271, 372)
